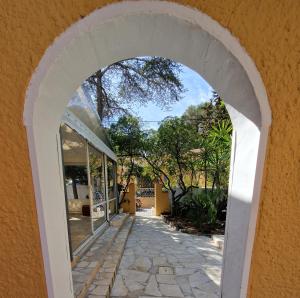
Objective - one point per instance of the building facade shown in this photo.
(89, 167)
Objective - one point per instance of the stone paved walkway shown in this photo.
(160, 262)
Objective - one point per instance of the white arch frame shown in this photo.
(137, 28)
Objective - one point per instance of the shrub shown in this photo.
(199, 206)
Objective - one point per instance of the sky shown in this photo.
(198, 91)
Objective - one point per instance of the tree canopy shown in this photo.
(170, 152)
(206, 115)
(127, 139)
(179, 152)
(136, 80)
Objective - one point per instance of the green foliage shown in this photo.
(220, 134)
(177, 152)
(95, 164)
(170, 154)
(176, 141)
(199, 206)
(127, 138)
(204, 116)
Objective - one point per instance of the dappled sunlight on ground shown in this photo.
(159, 261)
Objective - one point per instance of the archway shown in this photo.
(148, 28)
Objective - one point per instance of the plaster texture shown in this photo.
(269, 30)
(136, 29)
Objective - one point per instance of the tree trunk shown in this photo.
(205, 176)
(213, 184)
(128, 180)
(174, 209)
(74, 187)
(173, 206)
(100, 95)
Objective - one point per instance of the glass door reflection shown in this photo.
(74, 149)
(111, 187)
(98, 200)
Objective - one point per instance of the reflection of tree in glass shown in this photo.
(95, 165)
(77, 174)
(111, 179)
(96, 177)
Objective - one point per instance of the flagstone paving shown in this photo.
(161, 262)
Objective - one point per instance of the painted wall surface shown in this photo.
(270, 32)
(147, 202)
(162, 202)
(129, 204)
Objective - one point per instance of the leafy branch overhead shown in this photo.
(135, 81)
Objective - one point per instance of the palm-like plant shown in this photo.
(220, 140)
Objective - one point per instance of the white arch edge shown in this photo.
(191, 15)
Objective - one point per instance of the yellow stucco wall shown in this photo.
(270, 32)
(129, 204)
(147, 202)
(162, 203)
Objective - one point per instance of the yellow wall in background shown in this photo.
(162, 203)
(270, 32)
(147, 202)
(128, 204)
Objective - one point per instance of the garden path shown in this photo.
(161, 262)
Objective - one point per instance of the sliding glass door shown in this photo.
(97, 187)
(111, 187)
(90, 184)
(74, 154)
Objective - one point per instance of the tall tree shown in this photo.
(171, 152)
(204, 116)
(212, 122)
(136, 80)
(127, 138)
(220, 140)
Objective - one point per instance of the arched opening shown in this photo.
(147, 28)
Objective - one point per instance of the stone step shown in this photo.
(86, 268)
(103, 281)
(119, 220)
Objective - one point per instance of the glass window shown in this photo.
(112, 207)
(74, 150)
(111, 186)
(88, 198)
(96, 162)
(111, 179)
